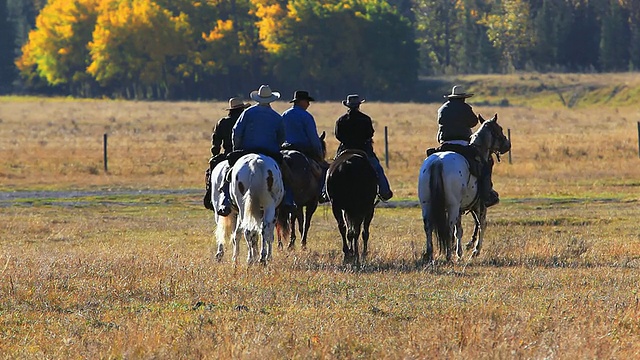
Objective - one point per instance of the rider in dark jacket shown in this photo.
(221, 139)
(455, 122)
(354, 130)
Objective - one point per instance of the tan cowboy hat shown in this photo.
(237, 103)
(457, 92)
(352, 101)
(264, 95)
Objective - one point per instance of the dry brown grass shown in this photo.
(126, 276)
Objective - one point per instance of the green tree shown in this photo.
(337, 46)
(614, 39)
(510, 29)
(633, 7)
(7, 49)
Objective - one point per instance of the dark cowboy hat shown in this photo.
(301, 95)
(352, 101)
(458, 93)
(237, 103)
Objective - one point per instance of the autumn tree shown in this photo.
(132, 42)
(509, 28)
(57, 47)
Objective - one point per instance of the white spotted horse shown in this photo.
(447, 189)
(256, 188)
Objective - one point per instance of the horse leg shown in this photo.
(458, 234)
(454, 217)
(235, 243)
(365, 233)
(294, 218)
(311, 209)
(476, 227)
(250, 238)
(482, 219)
(342, 228)
(221, 235)
(353, 234)
(427, 256)
(268, 224)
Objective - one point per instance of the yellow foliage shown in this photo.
(222, 28)
(271, 15)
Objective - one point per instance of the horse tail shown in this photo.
(438, 212)
(224, 226)
(251, 199)
(283, 225)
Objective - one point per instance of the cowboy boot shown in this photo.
(324, 197)
(207, 196)
(490, 196)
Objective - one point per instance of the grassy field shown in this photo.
(114, 274)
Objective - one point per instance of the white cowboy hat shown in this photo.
(264, 95)
(352, 101)
(237, 103)
(457, 92)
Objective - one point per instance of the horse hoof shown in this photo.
(219, 255)
(224, 210)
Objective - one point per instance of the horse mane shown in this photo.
(479, 137)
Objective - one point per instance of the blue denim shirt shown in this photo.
(300, 129)
(259, 128)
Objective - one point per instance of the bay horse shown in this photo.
(307, 174)
(256, 187)
(447, 189)
(352, 187)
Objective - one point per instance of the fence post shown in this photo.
(638, 138)
(105, 152)
(509, 137)
(386, 146)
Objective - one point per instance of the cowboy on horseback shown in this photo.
(221, 140)
(301, 130)
(455, 122)
(300, 127)
(259, 129)
(354, 130)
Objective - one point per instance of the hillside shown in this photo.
(542, 90)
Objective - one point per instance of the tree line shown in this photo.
(178, 49)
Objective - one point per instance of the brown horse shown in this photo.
(307, 175)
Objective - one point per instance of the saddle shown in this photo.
(470, 153)
(316, 165)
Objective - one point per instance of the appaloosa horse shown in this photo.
(307, 176)
(352, 187)
(257, 189)
(447, 189)
(225, 225)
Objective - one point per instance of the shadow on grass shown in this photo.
(332, 261)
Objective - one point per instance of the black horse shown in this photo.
(352, 187)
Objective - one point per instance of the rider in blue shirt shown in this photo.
(259, 129)
(300, 126)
